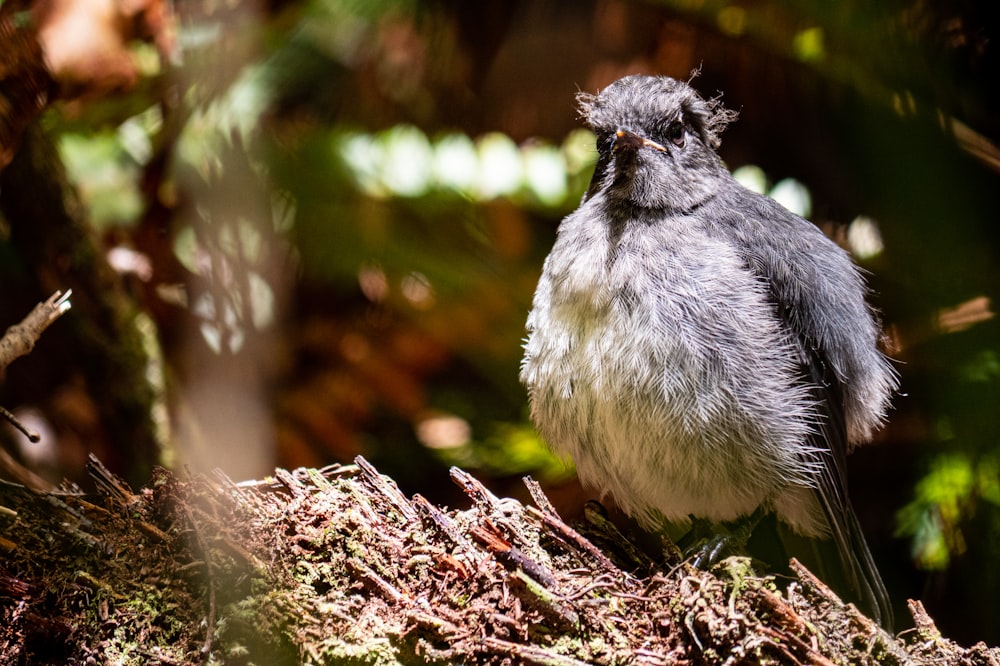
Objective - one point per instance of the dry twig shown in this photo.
(337, 565)
(20, 339)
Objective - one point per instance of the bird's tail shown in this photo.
(846, 564)
(862, 575)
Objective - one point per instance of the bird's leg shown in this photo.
(706, 543)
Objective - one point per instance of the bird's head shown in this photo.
(656, 142)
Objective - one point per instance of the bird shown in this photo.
(697, 349)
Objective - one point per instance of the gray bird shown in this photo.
(696, 348)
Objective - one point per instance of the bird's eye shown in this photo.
(675, 133)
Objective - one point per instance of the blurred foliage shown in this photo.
(341, 207)
(106, 174)
(946, 499)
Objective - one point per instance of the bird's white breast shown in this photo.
(642, 365)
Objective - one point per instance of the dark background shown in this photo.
(244, 162)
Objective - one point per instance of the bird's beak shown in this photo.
(626, 140)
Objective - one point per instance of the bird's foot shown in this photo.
(706, 544)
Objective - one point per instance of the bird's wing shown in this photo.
(787, 251)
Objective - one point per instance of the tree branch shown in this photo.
(20, 338)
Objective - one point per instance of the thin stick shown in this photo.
(32, 436)
(20, 338)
